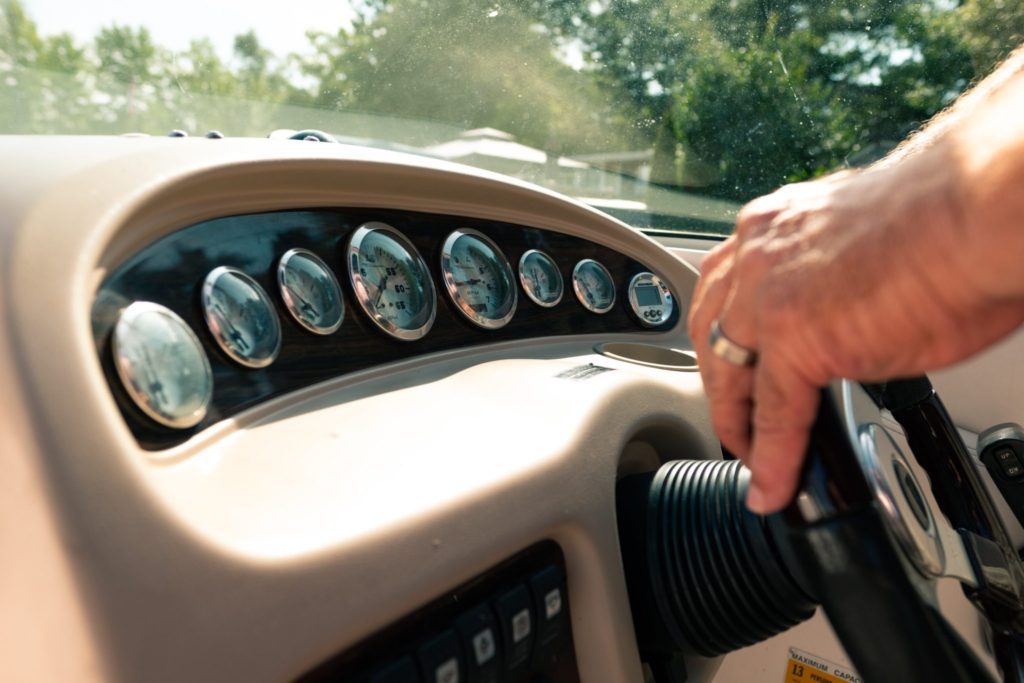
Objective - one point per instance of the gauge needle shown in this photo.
(380, 290)
(304, 304)
(470, 281)
(155, 386)
(232, 331)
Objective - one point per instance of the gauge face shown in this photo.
(241, 317)
(391, 281)
(541, 280)
(479, 278)
(310, 291)
(162, 365)
(594, 286)
(650, 299)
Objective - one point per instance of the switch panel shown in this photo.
(1001, 449)
(510, 625)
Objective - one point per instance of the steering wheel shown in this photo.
(860, 538)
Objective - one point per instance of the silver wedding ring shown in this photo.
(728, 350)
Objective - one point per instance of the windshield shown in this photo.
(667, 113)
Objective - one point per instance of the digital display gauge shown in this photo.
(594, 286)
(478, 278)
(162, 365)
(540, 278)
(310, 291)
(241, 317)
(391, 281)
(650, 299)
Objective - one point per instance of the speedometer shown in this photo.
(479, 278)
(391, 281)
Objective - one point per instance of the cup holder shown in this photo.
(649, 355)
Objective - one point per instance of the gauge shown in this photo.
(594, 286)
(241, 317)
(479, 278)
(541, 280)
(650, 299)
(310, 291)
(391, 281)
(162, 365)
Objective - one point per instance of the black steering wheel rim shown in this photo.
(854, 550)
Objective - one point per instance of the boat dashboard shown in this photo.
(280, 410)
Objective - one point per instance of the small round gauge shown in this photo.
(594, 286)
(241, 317)
(162, 365)
(391, 281)
(310, 291)
(650, 299)
(479, 278)
(540, 277)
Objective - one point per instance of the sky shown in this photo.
(281, 26)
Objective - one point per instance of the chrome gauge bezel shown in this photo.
(453, 289)
(526, 287)
(668, 301)
(362, 294)
(577, 288)
(292, 305)
(215, 329)
(126, 369)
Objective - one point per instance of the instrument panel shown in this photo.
(267, 294)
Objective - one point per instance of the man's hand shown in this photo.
(861, 275)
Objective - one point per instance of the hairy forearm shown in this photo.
(988, 153)
(963, 109)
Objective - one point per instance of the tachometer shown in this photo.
(594, 286)
(540, 277)
(479, 278)
(391, 281)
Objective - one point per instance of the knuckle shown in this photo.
(753, 259)
(710, 259)
(716, 256)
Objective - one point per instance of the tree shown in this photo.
(993, 29)
(734, 97)
(466, 64)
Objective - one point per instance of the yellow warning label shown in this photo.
(804, 667)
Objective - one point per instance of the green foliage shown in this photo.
(467, 64)
(991, 29)
(735, 97)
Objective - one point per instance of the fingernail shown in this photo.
(756, 501)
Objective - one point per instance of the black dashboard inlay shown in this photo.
(171, 272)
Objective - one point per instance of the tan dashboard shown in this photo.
(289, 529)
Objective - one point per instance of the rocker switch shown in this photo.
(1001, 449)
